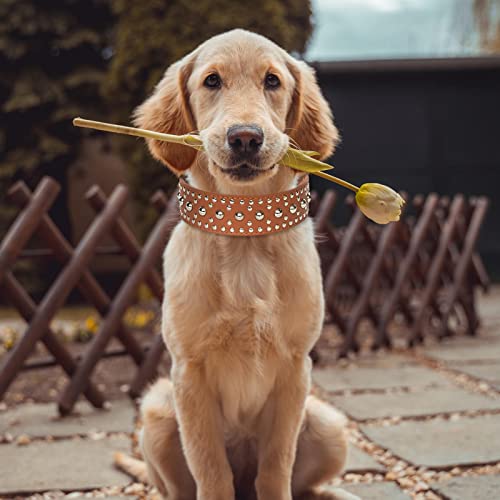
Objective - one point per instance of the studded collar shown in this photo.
(243, 215)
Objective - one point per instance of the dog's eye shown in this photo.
(213, 81)
(272, 81)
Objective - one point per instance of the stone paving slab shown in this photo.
(475, 349)
(377, 377)
(413, 404)
(373, 491)
(360, 461)
(441, 443)
(67, 465)
(489, 371)
(40, 420)
(469, 488)
(112, 497)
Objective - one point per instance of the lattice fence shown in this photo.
(419, 274)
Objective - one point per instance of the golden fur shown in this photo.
(240, 315)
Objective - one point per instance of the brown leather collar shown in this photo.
(243, 215)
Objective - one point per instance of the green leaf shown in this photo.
(302, 160)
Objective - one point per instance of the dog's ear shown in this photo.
(309, 120)
(167, 110)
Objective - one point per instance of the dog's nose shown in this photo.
(245, 139)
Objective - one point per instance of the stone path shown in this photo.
(422, 425)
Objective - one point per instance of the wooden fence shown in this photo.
(423, 269)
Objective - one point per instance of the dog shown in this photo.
(240, 314)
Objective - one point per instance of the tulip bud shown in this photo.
(379, 203)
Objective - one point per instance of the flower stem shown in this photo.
(121, 129)
(187, 140)
(341, 182)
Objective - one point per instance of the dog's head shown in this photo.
(246, 97)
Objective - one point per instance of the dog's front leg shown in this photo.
(280, 425)
(200, 424)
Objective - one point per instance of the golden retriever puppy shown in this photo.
(240, 314)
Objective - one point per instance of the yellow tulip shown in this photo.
(379, 203)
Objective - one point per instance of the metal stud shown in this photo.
(189, 206)
(219, 214)
(259, 215)
(202, 211)
(303, 203)
(259, 229)
(239, 216)
(278, 213)
(293, 209)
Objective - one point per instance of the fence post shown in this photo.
(61, 288)
(434, 273)
(87, 284)
(27, 222)
(151, 252)
(417, 236)
(465, 260)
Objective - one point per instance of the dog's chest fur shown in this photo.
(236, 307)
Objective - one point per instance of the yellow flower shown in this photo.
(9, 338)
(91, 324)
(379, 203)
